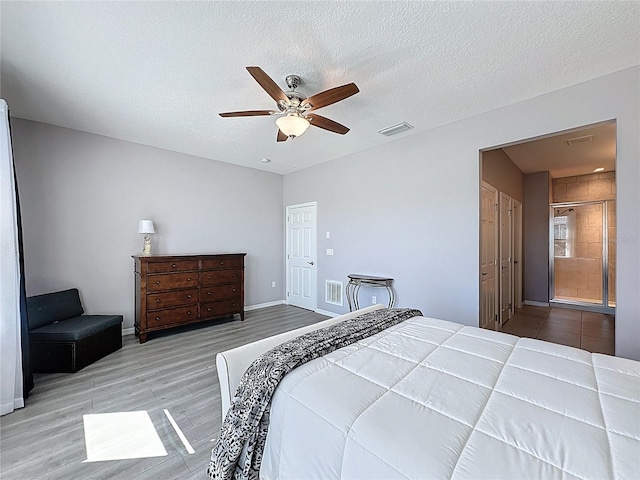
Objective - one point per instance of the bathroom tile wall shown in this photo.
(579, 275)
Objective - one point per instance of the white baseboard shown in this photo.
(257, 306)
(128, 331)
(533, 303)
(327, 313)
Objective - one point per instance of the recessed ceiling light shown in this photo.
(599, 169)
(265, 160)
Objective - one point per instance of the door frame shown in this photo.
(314, 272)
(517, 250)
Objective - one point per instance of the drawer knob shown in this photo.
(188, 279)
(209, 293)
(157, 318)
(189, 296)
(188, 313)
(208, 276)
(233, 275)
(221, 263)
(173, 266)
(157, 282)
(157, 300)
(233, 304)
(208, 309)
(233, 289)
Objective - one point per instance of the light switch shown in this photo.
(328, 234)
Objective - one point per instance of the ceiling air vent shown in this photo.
(395, 129)
(583, 139)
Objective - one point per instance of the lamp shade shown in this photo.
(292, 125)
(146, 226)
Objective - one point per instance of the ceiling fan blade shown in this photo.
(247, 113)
(281, 136)
(327, 124)
(330, 96)
(268, 84)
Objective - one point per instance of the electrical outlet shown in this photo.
(373, 300)
(329, 251)
(273, 284)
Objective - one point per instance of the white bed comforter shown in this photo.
(434, 399)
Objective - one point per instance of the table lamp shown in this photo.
(146, 227)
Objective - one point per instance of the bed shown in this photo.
(428, 398)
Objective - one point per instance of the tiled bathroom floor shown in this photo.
(594, 332)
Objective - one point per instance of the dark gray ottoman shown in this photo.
(62, 339)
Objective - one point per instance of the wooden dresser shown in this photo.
(173, 290)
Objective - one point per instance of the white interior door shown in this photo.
(506, 255)
(301, 256)
(488, 256)
(517, 254)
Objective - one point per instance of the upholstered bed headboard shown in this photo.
(231, 364)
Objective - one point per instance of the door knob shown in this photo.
(310, 263)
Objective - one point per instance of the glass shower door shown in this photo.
(611, 253)
(578, 252)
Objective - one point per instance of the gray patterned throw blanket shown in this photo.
(238, 452)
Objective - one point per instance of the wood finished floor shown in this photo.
(173, 370)
(176, 370)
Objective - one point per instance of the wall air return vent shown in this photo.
(333, 292)
(395, 129)
(583, 139)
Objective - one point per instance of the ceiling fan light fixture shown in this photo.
(294, 106)
(292, 125)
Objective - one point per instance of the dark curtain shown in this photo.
(27, 374)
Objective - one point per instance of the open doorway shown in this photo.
(566, 185)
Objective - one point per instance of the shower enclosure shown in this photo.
(583, 254)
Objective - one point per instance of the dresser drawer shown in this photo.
(210, 309)
(220, 293)
(157, 283)
(172, 316)
(172, 299)
(220, 277)
(177, 266)
(174, 290)
(222, 262)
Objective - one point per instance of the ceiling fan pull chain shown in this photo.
(293, 152)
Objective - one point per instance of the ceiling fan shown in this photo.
(294, 108)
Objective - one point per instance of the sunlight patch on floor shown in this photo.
(122, 435)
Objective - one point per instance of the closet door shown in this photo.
(506, 255)
(488, 257)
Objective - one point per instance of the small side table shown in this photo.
(357, 280)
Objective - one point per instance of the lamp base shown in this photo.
(147, 245)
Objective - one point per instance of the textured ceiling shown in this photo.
(158, 73)
(560, 159)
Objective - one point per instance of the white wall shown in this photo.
(499, 171)
(537, 197)
(410, 209)
(83, 194)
